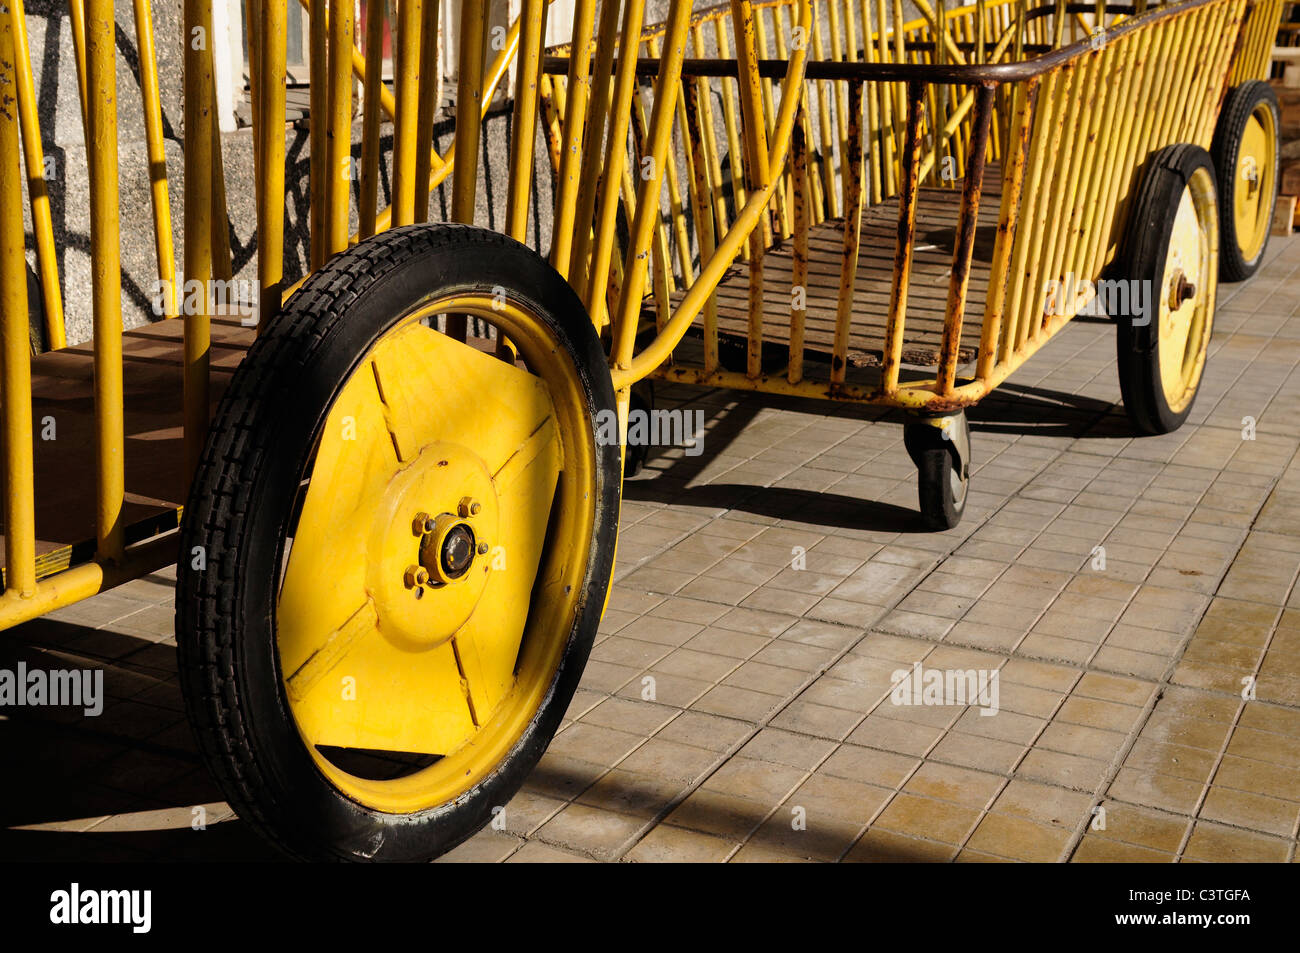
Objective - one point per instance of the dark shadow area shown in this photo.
(136, 758)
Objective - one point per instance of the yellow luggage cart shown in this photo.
(393, 502)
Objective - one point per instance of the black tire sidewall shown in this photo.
(1238, 107)
(304, 812)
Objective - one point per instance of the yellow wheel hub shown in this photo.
(434, 572)
(1253, 189)
(1187, 292)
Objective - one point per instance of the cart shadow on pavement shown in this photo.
(125, 784)
(673, 477)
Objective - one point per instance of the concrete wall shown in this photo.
(56, 86)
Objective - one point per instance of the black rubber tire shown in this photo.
(1238, 107)
(936, 459)
(240, 503)
(1137, 338)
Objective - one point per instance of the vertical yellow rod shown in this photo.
(577, 90)
(701, 209)
(15, 355)
(270, 219)
(589, 180)
(907, 193)
(106, 276)
(469, 97)
(524, 126)
(469, 102)
(756, 170)
(963, 250)
(162, 212)
(318, 123)
(339, 134)
(1023, 98)
(372, 113)
(253, 40)
(199, 102)
(407, 82)
(77, 26)
(429, 70)
(799, 262)
(33, 154)
(851, 235)
(616, 157)
(647, 206)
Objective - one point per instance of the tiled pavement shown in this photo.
(738, 708)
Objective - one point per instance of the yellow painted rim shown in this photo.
(434, 449)
(1253, 186)
(1184, 323)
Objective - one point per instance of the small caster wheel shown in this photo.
(940, 447)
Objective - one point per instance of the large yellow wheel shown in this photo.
(405, 541)
(1172, 268)
(1246, 160)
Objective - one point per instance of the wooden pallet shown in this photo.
(156, 477)
(936, 225)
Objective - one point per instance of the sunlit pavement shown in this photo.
(1135, 597)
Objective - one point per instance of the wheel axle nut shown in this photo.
(415, 576)
(468, 507)
(482, 549)
(421, 524)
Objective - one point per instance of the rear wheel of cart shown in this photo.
(398, 545)
(1173, 269)
(939, 445)
(1246, 161)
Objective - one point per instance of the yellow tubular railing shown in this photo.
(15, 357)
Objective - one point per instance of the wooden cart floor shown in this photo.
(63, 422)
(936, 226)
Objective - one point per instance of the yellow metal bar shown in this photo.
(616, 157)
(81, 582)
(372, 110)
(729, 99)
(162, 214)
(253, 41)
(15, 353)
(106, 277)
(318, 130)
(967, 220)
(222, 260)
(711, 156)
(406, 71)
(339, 182)
(756, 170)
(577, 91)
(33, 156)
(1022, 122)
(199, 104)
(851, 237)
(799, 260)
(647, 204)
(589, 181)
(700, 208)
(524, 126)
(626, 369)
(270, 218)
(77, 26)
(907, 195)
(429, 68)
